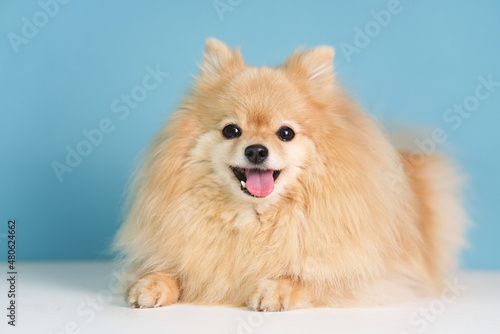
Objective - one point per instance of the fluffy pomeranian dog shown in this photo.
(269, 188)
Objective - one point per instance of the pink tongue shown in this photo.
(259, 182)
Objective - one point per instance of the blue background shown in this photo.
(63, 81)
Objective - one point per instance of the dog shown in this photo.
(270, 188)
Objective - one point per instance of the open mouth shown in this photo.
(256, 182)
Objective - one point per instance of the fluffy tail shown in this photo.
(437, 185)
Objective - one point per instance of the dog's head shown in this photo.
(260, 123)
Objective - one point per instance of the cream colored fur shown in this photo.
(351, 221)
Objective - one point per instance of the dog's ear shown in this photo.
(219, 60)
(314, 65)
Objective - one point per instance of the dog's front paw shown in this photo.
(154, 290)
(273, 296)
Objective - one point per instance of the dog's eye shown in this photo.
(285, 133)
(231, 131)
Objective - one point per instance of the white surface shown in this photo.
(72, 298)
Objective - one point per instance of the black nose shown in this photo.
(256, 153)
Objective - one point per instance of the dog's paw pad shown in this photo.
(271, 296)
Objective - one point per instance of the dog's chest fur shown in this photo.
(229, 249)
